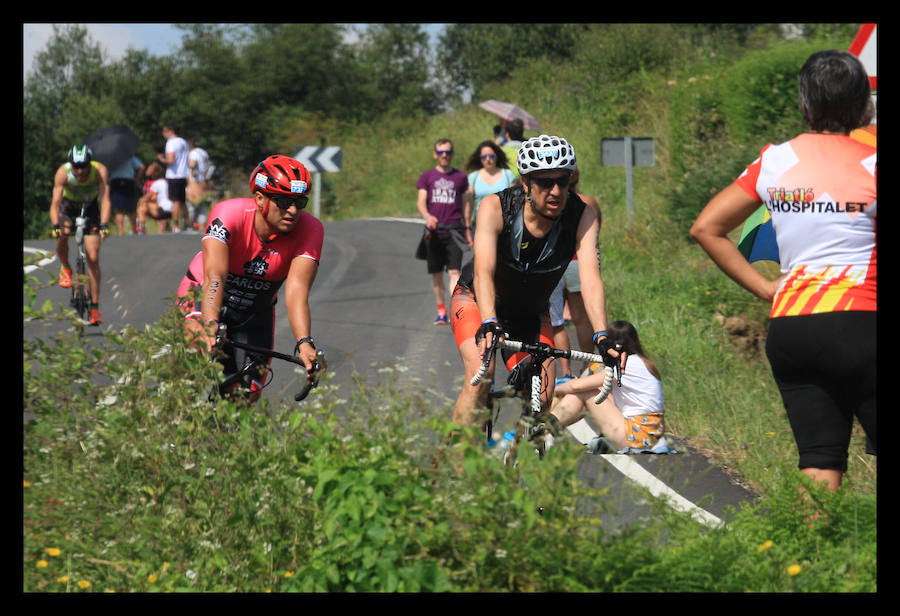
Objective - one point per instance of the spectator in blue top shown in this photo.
(489, 173)
(123, 192)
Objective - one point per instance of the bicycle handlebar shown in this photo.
(312, 376)
(541, 351)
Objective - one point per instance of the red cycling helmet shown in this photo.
(280, 175)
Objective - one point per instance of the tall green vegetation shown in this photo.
(134, 481)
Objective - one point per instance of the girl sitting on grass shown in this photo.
(630, 419)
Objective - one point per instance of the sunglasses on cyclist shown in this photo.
(80, 165)
(488, 157)
(443, 152)
(284, 202)
(548, 183)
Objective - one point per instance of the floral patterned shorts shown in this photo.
(642, 431)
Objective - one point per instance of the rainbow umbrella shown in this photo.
(757, 241)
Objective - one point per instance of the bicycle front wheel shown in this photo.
(80, 300)
(81, 292)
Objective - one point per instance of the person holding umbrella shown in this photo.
(81, 180)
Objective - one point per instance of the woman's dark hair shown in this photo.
(474, 161)
(624, 333)
(834, 92)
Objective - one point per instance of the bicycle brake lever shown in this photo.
(312, 378)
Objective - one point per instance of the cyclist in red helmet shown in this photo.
(250, 248)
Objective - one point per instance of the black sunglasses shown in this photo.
(80, 165)
(548, 183)
(284, 202)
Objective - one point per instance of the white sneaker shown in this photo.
(599, 445)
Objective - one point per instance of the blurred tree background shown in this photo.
(247, 90)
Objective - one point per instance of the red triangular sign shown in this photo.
(864, 47)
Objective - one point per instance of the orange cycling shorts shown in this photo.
(465, 319)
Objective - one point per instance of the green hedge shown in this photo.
(719, 125)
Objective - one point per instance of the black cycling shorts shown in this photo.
(824, 366)
(255, 328)
(72, 209)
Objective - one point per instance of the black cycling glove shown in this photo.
(491, 326)
(603, 346)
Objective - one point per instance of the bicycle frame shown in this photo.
(526, 381)
(81, 291)
(255, 361)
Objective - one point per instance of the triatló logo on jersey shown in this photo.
(257, 267)
(217, 230)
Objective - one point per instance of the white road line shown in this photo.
(626, 465)
(41, 263)
(420, 221)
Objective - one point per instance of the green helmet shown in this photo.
(80, 154)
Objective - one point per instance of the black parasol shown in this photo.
(113, 145)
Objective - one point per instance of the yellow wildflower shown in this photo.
(288, 574)
(26, 484)
(84, 584)
(41, 564)
(152, 578)
(52, 551)
(765, 546)
(793, 570)
(63, 580)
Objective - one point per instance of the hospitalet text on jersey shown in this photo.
(803, 201)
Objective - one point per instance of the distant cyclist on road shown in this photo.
(250, 248)
(81, 180)
(525, 237)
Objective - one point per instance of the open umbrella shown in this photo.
(113, 145)
(509, 111)
(757, 241)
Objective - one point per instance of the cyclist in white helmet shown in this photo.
(525, 237)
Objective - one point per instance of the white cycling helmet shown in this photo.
(545, 152)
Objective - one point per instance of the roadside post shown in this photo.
(628, 152)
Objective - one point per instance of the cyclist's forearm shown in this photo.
(55, 203)
(301, 321)
(485, 293)
(213, 294)
(105, 210)
(593, 294)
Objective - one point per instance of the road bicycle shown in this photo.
(81, 290)
(256, 368)
(526, 382)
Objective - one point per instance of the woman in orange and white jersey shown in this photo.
(820, 190)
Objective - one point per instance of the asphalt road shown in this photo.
(372, 308)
